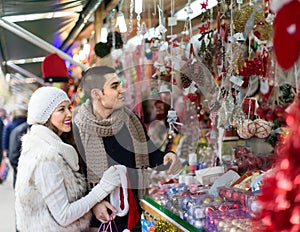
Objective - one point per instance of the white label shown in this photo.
(264, 86)
(172, 21)
(236, 80)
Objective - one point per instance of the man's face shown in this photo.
(113, 97)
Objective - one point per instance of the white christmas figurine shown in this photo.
(171, 119)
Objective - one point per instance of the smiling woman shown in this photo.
(50, 188)
(61, 118)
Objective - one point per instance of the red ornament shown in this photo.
(270, 116)
(204, 5)
(279, 198)
(54, 69)
(278, 110)
(251, 67)
(287, 32)
(192, 96)
(261, 111)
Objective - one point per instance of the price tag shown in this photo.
(236, 80)
(172, 21)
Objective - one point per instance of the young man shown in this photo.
(108, 133)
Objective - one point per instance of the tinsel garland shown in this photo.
(251, 67)
(280, 196)
(242, 16)
(164, 226)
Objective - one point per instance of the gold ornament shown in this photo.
(234, 58)
(263, 30)
(164, 226)
(241, 17)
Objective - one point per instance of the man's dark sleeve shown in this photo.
(156, 156)
(81, 155)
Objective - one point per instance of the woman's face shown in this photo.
(61, 117)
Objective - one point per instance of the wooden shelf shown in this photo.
(231, 138)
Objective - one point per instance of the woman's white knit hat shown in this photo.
(43, 102)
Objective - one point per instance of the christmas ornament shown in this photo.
(102, 49)
(251, 67)
(249, 107)
(164, 226)
(270, 116)
(263, 128)
(185, 80)
(263, 30)
(241, 17)
(54, 69)
(237, 116)
(114, 40)
(172, 120)
(279, 197)
(278, 111)
(286, 38)
(198, 72)
(247, 129)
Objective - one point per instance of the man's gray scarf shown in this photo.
(92, 129)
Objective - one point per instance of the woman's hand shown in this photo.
(101, 211)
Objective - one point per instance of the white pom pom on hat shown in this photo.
(43, 102)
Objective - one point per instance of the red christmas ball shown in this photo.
(278, 110)
(236, 196)
(192, 96)
(223, 207)
(222, 192)
(261, 112)
(270, 116)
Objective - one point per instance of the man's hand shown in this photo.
(101, 213)
(175, 163)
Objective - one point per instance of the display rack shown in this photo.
(159, 212)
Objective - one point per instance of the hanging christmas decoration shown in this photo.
(172, 121)
(54, 69)
(247, 129)
(204, 4)
(250, 67)
(161, 28)
(263, 30)
(287, 32)
(242, 16)
(198, 72)
(279, 198)
(138, 8)
(263, 128)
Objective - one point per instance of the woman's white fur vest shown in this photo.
(32, 214)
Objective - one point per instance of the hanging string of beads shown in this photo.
(138, 8)
(130, 17)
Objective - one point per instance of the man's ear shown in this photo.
(96, 93)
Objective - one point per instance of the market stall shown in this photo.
(222, 97)
(221, 90)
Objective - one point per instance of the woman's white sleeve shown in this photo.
(50, 182)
